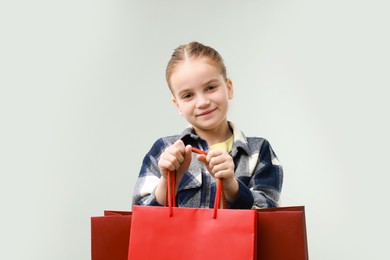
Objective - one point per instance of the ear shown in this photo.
(229, 85)
(174, 101)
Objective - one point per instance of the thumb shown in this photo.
(188, 154)
(202, 158)
(187, 158)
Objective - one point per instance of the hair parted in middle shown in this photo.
(194, 50)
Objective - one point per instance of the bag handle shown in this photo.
(172, 190)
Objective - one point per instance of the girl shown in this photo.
(248, 167)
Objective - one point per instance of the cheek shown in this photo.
(222, 98)
(184, 108)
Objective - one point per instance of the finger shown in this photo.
(187, 159)
(223, 174)
(169, 165)
(202, 158)
(174, 161)
(219, 167)
(214, 154)
(173, 153)
(216, 160)
(180, 145)
(181, 150)
(188, 149)
(187, 154)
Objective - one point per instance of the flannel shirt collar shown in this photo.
(240, 141)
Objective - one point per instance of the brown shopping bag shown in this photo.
(281, 234)
(110, 235)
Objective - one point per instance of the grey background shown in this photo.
(83, 97)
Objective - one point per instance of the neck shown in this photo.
(217, 135)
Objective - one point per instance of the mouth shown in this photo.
(206, 112)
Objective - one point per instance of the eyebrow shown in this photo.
(211, 81)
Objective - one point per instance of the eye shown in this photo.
(210, 88)
(187, 95)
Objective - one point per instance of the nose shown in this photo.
(202, 101)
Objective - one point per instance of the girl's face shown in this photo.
(201, 93)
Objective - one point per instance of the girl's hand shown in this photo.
(219, 163)
(176, 158)
(221, 166)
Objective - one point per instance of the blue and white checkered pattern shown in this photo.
(257, 169)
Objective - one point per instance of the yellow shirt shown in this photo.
(226, 146)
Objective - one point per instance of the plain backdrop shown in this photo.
(83, 97)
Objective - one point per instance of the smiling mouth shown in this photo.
(206, 112)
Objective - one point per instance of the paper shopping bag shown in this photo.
(172, 233)
(192, 233)
(110, 235)
(282, 234)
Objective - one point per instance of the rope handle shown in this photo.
(172, 190)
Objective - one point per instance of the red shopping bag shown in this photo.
(282, 234)
(192, 233)
(172, 233)
(110, 235)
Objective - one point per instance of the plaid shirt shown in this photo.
(257, 169)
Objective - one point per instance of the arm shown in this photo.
(149, 177)
(267, 178)
(151, 185)
(259, 175)
(257, 179)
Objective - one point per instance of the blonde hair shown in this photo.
(193, 50)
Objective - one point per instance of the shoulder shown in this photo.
(161, 143)
(258, 145)
(255, 141)
(252, 144)
(263, 148)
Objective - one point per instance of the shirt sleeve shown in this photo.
(148, 177)
(245, 198)
(267, 179)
